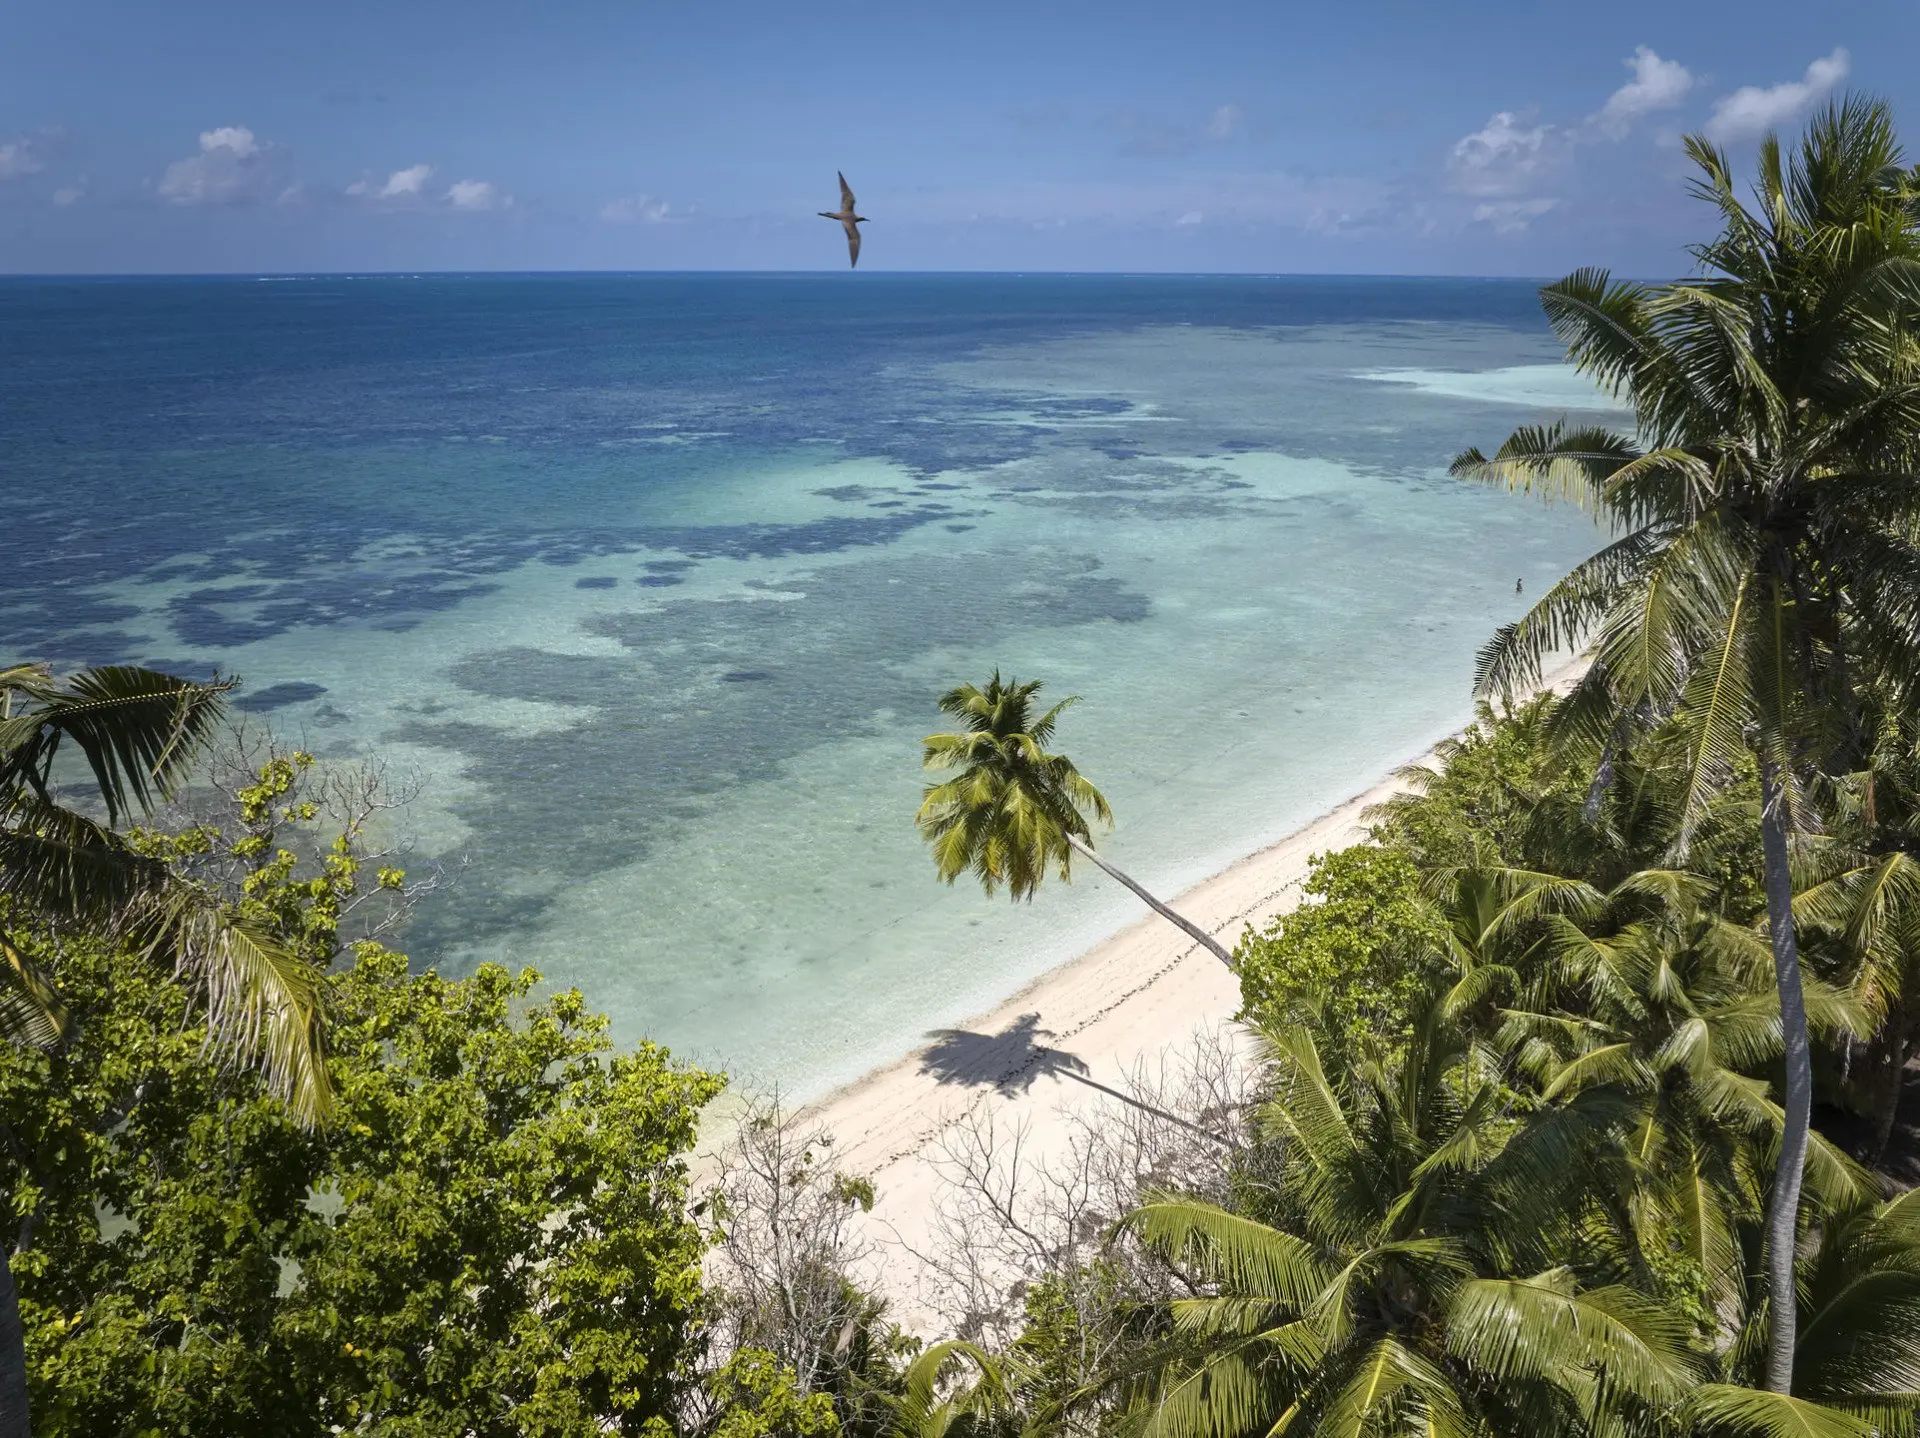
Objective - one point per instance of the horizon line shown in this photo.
(837, 275)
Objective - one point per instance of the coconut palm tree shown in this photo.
(1859, 1345)
(1414, 1275)
(1856, 1371)
(1765, 556)
(1431, 1262)
(918, 1411)
(1015, 810)
(1860, 900)
(1674, 1008)
(137, 732)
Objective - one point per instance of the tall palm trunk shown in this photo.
(13, 1359)
(1193, 930)
(1783, 1211)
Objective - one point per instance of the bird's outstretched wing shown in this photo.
(853, 242)
(846, 195)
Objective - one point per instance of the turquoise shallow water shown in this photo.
(653, 581)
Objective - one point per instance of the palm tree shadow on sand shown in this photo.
(1010, 1061)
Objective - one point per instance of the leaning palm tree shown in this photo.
(1765, 510)
(137, 732)
(1015, 810)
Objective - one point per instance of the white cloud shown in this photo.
(1510, 217)
(234, 139)
(1191, 217)
(1505, 156)
(1513, 163)
(408, 190)
(1227, 121)
(18, 160)
(67, 196)
(410, 181)
(28, 154)
(22, 157)
(637, 210)
(407, 184)
(1752, 110)
(233, 167)
(1656, 85)
(477, 195)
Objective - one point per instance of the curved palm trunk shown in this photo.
(13, 1359)
(1783, 1210)
(1193, 930)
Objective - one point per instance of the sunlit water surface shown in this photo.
(653, 582)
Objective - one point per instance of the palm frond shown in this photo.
(1716, 707)
(264, 1003)
(1388, 1376)
(139, 730)
(1718, 1410)
(1228, 1394)
(1862, 1346)
(1545, 1328)
(31, 1010)
(1562, 619)
(1247, 1256)
(1553, 462)
(1603, 324)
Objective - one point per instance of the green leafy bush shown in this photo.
(492, 1235)
(1356, 959)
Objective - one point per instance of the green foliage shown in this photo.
(953, 1388)
(758, 1398)
(1052, 1346)
(1430, 1257)
(139, 732)
(1859, 908)
(1540, 1076)
(1015, 810)
(492, 1237)
(1478, 804)
(1764, 561)
(1419, 1273)
(1357, 958)
(1564, 1167)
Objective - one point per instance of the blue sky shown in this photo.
(1357, 136)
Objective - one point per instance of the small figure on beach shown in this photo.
(848, 220)
(1517, 586)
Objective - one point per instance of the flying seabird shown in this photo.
(849, 221)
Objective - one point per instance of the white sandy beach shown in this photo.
(1132, 998)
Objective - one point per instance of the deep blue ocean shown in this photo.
(648, 583)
